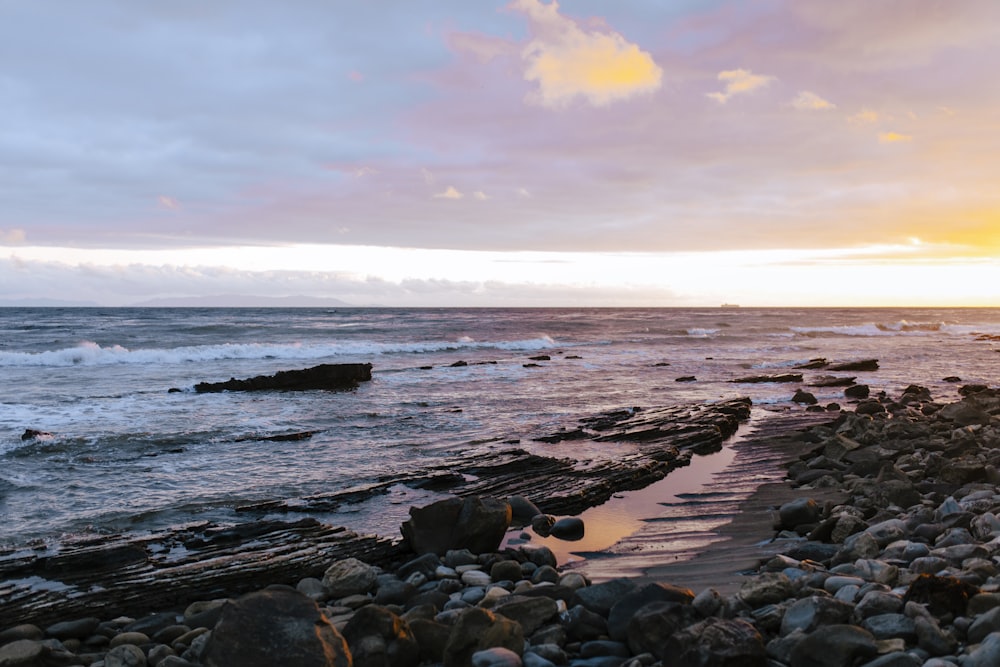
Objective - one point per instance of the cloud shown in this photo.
(893, 137)
(808, 101)
(168, 203)
(449, 193)
(569, 62)
(864, 116)
(480, 195)
(738, 82)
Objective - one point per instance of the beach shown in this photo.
(913, 455)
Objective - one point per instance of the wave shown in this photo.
(701, 333)
(902, 327)
(89, 353)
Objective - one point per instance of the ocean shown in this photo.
(121, 453)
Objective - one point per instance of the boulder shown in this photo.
(799, 512)
(568, 528)
(531, 612)
(276, 626)
(623, 610)
(522, 510)
(476, 524)
(324, 376)
(834, 646)
(757, 379)
(857, 391)
(651, 624)
(809, 613)
(766, 588)
(804, 397)
(861, 366)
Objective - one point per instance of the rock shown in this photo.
(26, 652)
(583, 625)
(349, 576)
(799, 512)
(522, 510)
(686, 378)
(379, 638)
(716, 641)
(80, 628)
(600, 598)
(804, 397)
(878, 602)
(860, 366)
(810, 613)
(869, 407)
(987, 654)
(432, 637)
(652, 624)
(32, 434)
(931, 638)
(126, 655)
(151, 624)
(23, 631)
(324, 376)
(479, 629)
(496, 657)
(834, 646)
(476, 578)
(766, 588)
(134, 638)
(942, 595)
(568, 528)
(506, 570)
(756, 379)
(891, 626)
(426, 564)
(625, 608)
(531, 613)
(276, 626)
(984, 625)
(476, 524)
(857, 391)
(542, 524)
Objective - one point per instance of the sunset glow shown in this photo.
(520, 153)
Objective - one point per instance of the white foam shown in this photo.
(89, 353)
(702, 333)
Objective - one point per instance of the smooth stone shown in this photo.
(799, 511)
(477, 524)
(987, 654)
(600, 598)
(878, 602)
(931, 638)
(652, 623)
(478, 629)
(349, 576)
(767, 588)
(807, 614)
(476, 578)
(150, 625)
(624, 609)
(496, 657)
(427, 564)
(377, 637)
(134, 638)
(568, 528)
(834, 646)
(604, 647)
(891, 626)
(80, 628)
(27, 652)
(835, 583)
(895, 659)
(577, 582)
(708, 602)
(455, 558)
(522, 509)
(984, 625)
(542, 524)
(125, 655)
(532, 659)
(506, 570)
(23, 631)
(542, 555)
(583, 625)
(545, 573)
(532, 613)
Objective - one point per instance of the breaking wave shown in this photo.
(89, 353)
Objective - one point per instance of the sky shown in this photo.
(511, 153)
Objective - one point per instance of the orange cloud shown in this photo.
(864, 116)
(568, 62)
(12, 236)
(449, 193)
(893, 137)
(807, 101)
(739, 82)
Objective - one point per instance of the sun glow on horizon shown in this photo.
(914, 273)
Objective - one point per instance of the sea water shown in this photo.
(122, 453)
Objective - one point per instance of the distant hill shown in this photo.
(46, 303)
(243, 301)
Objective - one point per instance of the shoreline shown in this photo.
(885, 553)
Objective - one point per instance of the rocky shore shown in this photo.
(903, 572)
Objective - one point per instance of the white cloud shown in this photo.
(480, 195)
(168, 202)
(865, 116)
(739, 82)
(809, 101)
(449, 193)
(12, 236)
(569, 62)
(894, 138)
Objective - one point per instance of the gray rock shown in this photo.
(26, 652)
(275, 626)
(604, 647)
(767, 588)
(379, 638)
(150, 625)
(496, 657)
(984, 625)
(878, 602)
(542, 524)
(506, 570)
(349, 576)
(542, 556)
(522, 510)
(895, 659)
(987, 654)
(426, 564)
(583, 625)
(126, 655)
(834, 646)
(393, 591)
(532, 659)
(931, 638)
(891, 626)
(568, 528)
(836, 582)
(807, 614)
(715, 641)
(653, 623)
(431, 637)
(79, 628)
(545, 573)
(708, 602)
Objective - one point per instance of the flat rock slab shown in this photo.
(130, 575)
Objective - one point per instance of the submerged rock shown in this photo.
(324, 376)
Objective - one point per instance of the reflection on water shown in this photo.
(624, 513)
